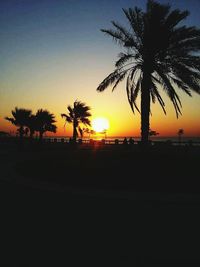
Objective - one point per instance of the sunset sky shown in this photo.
(52, 53)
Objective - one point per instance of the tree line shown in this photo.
(29, 123)
(44, 121)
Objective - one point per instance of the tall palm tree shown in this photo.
(158, 53)
(20, 119)
(45, 122)
(77, 114)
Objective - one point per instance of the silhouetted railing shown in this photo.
(112, 141)
(121, 142)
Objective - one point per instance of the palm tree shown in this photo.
(180, 133)
(20, 119)
(88, 131)
(32, 125)
(45, 122)
(153, 133)
(157, 53)
(77, 114)
(105, 133)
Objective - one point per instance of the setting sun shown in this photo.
(100, 124)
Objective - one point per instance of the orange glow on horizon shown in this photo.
(112, 106)
(166, 126)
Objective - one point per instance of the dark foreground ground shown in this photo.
(117, 170)
(100, 206)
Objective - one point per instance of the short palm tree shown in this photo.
(153, 133)
(158, 53)
(45, 122)
(20, 119)
(88, 131)
(180, 133)
(32, 125)
(77, 114)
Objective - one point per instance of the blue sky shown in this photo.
(32, 27)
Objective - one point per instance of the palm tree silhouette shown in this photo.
(153, 133)
(77, 114)
(105, 133)
(32, 125)
(180, 133)
(157, 53)
(88, 131)
(44, 122)
(20, 119)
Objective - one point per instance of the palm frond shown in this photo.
(116, 35)
(128, 38)
(181, 85)
(135, 18)
(170, 92)
(134, 93)
(109, 80)
(183, 33)
(86, 121)
(175, 17)
(10, 119)
(68, 118)
(121, 78)
(188, 76)
(123, 58)
(155, 92)
(132, 90)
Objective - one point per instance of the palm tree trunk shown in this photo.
(74, 131)
(31, 134)
(21, 139)
(145, 107)
(21, 132)
(41, 135)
